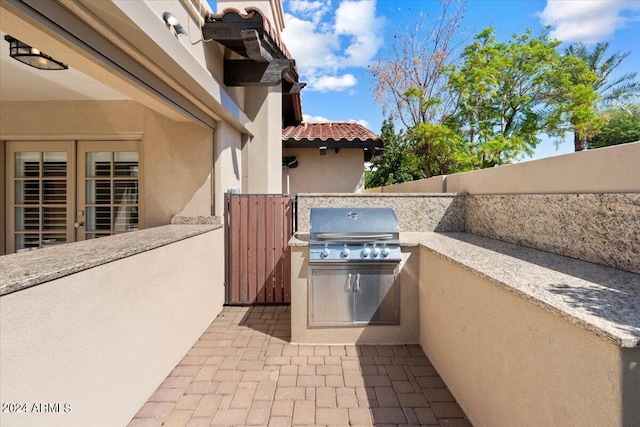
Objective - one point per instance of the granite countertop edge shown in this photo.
(510, 279)
(390, 195)
(27, 269)
(467, 251)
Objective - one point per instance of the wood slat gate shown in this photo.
(258, 228)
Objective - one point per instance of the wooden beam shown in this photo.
(254, 46)
(251, 73)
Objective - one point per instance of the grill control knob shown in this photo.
(324, 252)
(376, 252)
(385, 252)
(365, 252)
(345, 252)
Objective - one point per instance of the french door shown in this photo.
(64, 191)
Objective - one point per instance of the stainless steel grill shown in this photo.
(354, 234)
(354, 256)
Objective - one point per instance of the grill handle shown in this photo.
(349, 282)
(353, 236)
(357, 282)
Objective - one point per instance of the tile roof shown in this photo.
(341, 133)
(231, 15)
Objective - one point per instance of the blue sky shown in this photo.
(333, 43)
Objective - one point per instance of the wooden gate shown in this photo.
(259, 227)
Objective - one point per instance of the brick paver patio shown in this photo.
(244, 371)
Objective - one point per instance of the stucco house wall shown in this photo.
(341, 172)
(176, 157)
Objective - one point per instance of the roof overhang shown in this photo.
(332, 136)
(265, 59)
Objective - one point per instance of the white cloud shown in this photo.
(357, 20)
(336, 83)
(314, 119)
(588, 21)
(324, 41)
(310, 9)
(361, 122)
(310, 48)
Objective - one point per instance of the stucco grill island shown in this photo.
(354, 257)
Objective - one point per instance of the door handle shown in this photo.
(349, 282)
(79, 224)
(357, 282)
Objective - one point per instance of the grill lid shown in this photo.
(332, 223)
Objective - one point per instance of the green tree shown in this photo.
(397, 163)
(619, 90)
(443, 150)
(511, 92)
(622, 126)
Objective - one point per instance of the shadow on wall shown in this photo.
(453, 218)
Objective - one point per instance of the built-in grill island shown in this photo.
(354, 257)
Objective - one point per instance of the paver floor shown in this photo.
(243, 371)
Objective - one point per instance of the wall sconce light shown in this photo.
(31, 56)
(323, 150)
(171, 20)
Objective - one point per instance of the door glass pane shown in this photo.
(27, 164)
(54, 164)
(27, 242)
(49, 239)
(126, 192)
(125, 163)
(98, 164)
(27, 192)
(54, 219)
(96, 235)
(27, 219)
(126, 218)
(98, 218)
(98, 192)
(54, 192)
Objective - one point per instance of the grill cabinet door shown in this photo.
(376, 291)
(331, 295)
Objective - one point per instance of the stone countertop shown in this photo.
(25, 269)
(600, 299)
(374, 195)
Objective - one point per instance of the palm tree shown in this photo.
(621, 89)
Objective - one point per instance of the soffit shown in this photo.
(20, 82)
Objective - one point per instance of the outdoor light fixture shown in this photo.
(32, 56)
(171, 20)
(323, 150)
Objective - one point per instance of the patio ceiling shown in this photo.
(20, 82)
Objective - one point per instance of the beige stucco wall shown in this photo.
(341, 172)
(509, 362)
(435, 184)
(603, 170)
(405, 333)
(176, 157)
(262, 154)
(103, 340)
